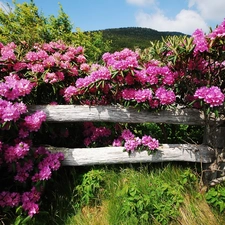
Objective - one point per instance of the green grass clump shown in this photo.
(128, 195)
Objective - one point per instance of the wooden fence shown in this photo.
(203, 153)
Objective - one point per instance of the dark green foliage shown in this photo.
(216, 197)
(170, 133)
(147, 197)
(89, 191)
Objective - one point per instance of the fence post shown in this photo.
(214, 137)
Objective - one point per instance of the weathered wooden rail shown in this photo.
(114, 155)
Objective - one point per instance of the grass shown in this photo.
(126, 195)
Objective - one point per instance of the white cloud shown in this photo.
(186, 21)
(209, 9)
(141, 2)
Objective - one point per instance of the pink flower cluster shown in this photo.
(29, 201)
(200, 42)
(132, 143)
(23, 170)
(11, 111)
(140, 95)
(53, 77)
(9, 199)
(34, 121)
(94, 134)
(122, 60)
(7, 52)
(51, 162)
(69, 92)
(13, 153)
(165, 97)
(218, 31)
(211, 95)
(102, 73)
(150, 142)
(55, 60)
(155, 74)
(134, 85)
(14, 87)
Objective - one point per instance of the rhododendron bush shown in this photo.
(184, 71)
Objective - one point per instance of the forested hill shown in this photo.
(132, 37)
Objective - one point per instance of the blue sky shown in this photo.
(162, 15)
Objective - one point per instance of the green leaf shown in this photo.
(18, 220)
(25, 220)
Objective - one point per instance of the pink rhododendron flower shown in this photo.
(212, 96)
(68, 56)
(51, 162)
(53, 77)
(36, 68)
(99, 132)
(69, 92)
(87, 141)
(13, 153)
(48, 62)
(132, 144)
(19, 66)
(42, 55)
(29, 201)
(102, 73)
(165, 97)
(150, 142)
(81, 59)
(168, 77)
(154, 103)
(85, 67)
(201, 92)
(65, 65)
(218, 31)
(127, 134)
(23, 171)
(117, 142)
(121, 60)
(44, 173)
(73, 71)
(7, 52)
(128, 94)
(200, 42)
(34, 121)
(32, 56)
(152, 74)
(143, 95)
(139, 95)
(14, 87)
(141, 76)
(10, 111)
(129, 79)
(9, 199)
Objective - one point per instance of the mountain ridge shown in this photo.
(134, 37)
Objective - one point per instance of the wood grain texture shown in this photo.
(116, 155)
(81, 113)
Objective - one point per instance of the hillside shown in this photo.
(132, 37)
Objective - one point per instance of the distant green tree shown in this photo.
(60, 27)
(24, 25)
(94, 43)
